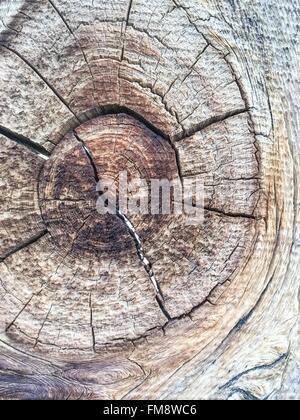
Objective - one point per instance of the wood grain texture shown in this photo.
(163, 88)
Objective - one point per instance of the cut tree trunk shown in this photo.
(98, 306)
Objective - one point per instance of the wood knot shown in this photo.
(103, 148)
(170, 107)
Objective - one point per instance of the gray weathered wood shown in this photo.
(191, 88)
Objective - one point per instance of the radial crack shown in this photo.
(133, 233)
(123, 32)
(20, 313)
(185, 9)
(89, 156)
(62, 17)
(75, 37)
(199, 56)
(92, 323)
(145, 262)
(24, 244)
(37, 72)
(24, 141)
(42, 326)
(230, 214)
(129, 11)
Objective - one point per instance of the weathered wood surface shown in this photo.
(160, 88)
